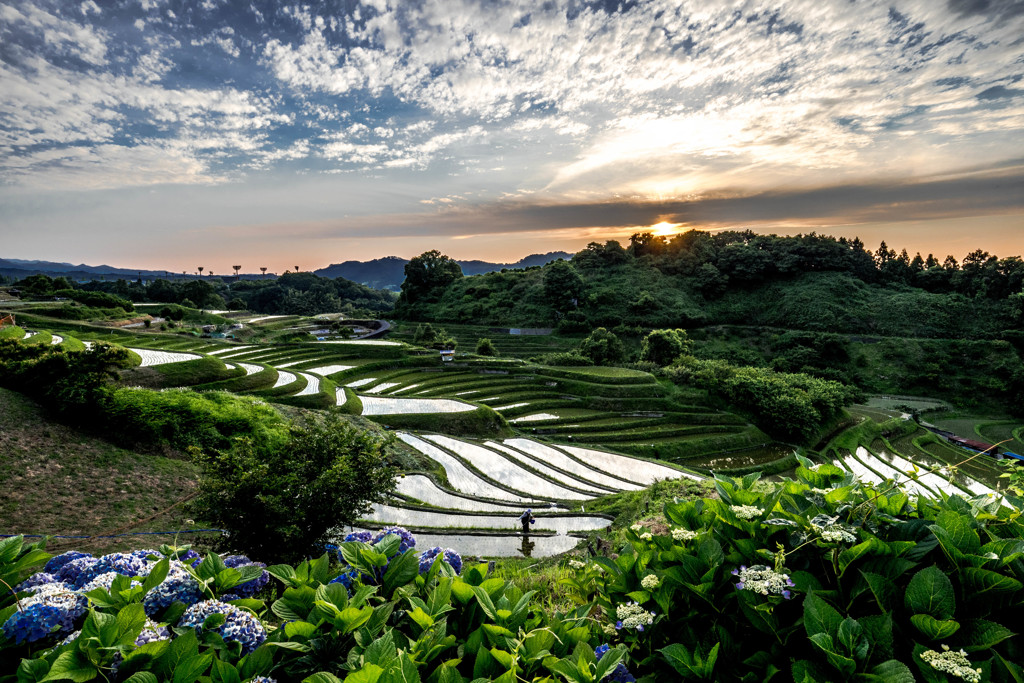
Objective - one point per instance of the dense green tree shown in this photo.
(426, 276)
(664, 346)
(602, 347)
(284, 501)
(563, 287)
(485, 347)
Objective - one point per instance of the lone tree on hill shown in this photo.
(664, 346)
(200, 269)
(237, 268)
(427, 276)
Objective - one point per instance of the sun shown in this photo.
(664, 229)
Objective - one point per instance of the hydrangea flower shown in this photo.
(253, 586)
(262, 679)
(684, 535)
(577, 565)
(650, 582)
(121, 563)
(37, 579)
(54, 564)
(240, 626)
(620, 674)
(345, 578)
(763, 580)
(361, 536)
(633, 616)
(952, 663)
(646, 536)
(192, 558)
(408, 540)
(178, 586)
(746, 511)
(53, 609)
(104, 581)
(151, 633)
(146, 553)
(448, 555)
(71, 572)
(837, 534)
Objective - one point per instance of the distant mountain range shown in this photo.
(382, 273)
(389, 272)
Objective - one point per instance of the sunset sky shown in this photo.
(175, 133)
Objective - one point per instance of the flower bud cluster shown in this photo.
(746, 511)
(760, 579)
(953, 663)
(684, 535)
(633, 616)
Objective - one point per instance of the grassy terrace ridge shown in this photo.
(61, 480)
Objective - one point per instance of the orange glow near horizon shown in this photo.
(665, 229)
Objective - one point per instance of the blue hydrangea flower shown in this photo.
(145, 553)
(249, 588)
(121, 563)
(408, 540)
(151, 633)
(52, 610)
(240, 626)
(361, 536)
(37, 579)
(104, 581)
(453, 559)
(345, 578)
(71, 572)
(192, 558)
(262, 679)
(620, 674)
(55, 563)
(179, 586)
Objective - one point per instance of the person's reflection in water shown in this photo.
(527, 547)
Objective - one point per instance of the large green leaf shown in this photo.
(931, 592)
(820, 617)
(932, 628)
(74, 666)
(982, 584)
(981, 634)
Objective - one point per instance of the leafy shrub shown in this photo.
(484, 347)
(821, 577)
(602, 347)
(282, 499)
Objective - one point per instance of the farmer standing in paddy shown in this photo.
(526, 519)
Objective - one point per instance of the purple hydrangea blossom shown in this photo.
(240, 626)
(361, 536)
(53, 609)
(55, 563)
(448, 555)
(191, 557)
(408, 540)
(620, 674)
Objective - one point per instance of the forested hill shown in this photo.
(389, 272)
(806, 282)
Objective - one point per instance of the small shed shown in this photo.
(447, 355)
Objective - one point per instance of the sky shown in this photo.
(177, 133)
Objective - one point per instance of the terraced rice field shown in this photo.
(489, 485)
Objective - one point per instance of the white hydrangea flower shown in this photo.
(576, 564)
(762, 580)
(609, 630)
(837, 534)
(646, 536)
(746, 511)
(633, 616)
(650, 582)
(952, 663)
(684, 535)
(636, 528)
